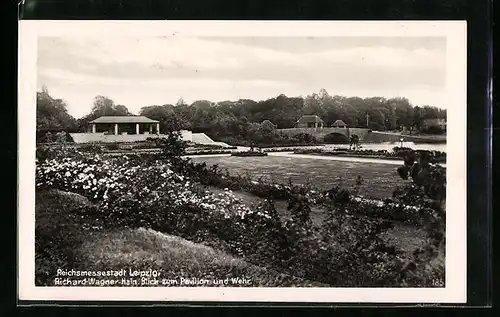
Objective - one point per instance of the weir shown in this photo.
(320, 133)
(364, 135)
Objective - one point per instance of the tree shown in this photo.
(170, 121)
(229, 121)
(121, 110)
(427, 189)
(313, 105)
(52, 114)
(428, 112)
(103, 106)
(417, 118)
(354, 142)
(180, 102)
(173, 147)
(254, 134)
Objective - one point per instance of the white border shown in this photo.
(454, 31)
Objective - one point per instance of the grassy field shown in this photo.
(379, 179)
(65, 240)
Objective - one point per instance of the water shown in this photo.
(388, 146)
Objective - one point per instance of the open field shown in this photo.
(379, 179)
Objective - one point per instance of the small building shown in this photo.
(339, 124)
(440, 123)
(268, 124)
(405, 130)
(309, 121)
(124, 125)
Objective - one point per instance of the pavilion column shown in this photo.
(93, 127)
(157, 128)
(137, 128)
(116, 128)
(150, 129)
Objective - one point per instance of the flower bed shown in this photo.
(203, 152)
(249, 153)
(284, 149)
(198, 146)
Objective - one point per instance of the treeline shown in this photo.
(237, 119)
(52, 114)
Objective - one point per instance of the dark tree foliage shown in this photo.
(52, 114)
(103, 106)
(428, 189)
(173, 147)
(240, 121)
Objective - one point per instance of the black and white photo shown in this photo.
(243, 161)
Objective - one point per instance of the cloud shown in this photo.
(215, 69)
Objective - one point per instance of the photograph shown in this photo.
(243, 161)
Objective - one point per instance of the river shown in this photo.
(388, 146)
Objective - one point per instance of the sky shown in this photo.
(145, 71)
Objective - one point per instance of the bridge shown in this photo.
(320, 133)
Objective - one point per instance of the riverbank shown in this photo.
(339, 158)
(397, 154)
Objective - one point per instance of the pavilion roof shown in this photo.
(123, 119)
(339, 123)
(309, 118)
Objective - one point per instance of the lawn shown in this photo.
(379, 179)
(65, 241)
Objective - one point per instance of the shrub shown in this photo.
(202, 152)
(305, 138)
(308, 151)
(434, 130)
(249, 153)
(398, 149)
(95, 148)
(336, 138)
(112, 146)
(428, 188)
(48, 152)
(172, 146)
